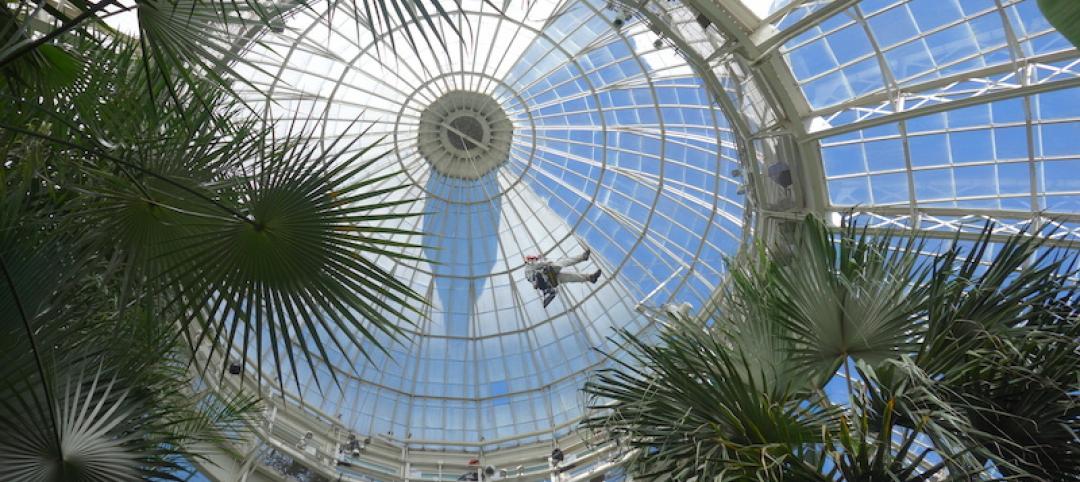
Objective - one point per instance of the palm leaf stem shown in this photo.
(66, 27)
(37, 359)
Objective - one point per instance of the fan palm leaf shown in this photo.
(46, 67)
(750, 322)
(1002, 341)
(967, 372)
(850, 293)
(269, 244)
(156, 209)
(75, 406)
(689, 410)
(300, 261)
(105, 426)
(872, 447)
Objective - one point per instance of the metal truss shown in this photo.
(756, 46)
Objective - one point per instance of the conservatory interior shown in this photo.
(539, 240)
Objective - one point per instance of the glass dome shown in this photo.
(663, 135)
(546, 130)
(929, 114)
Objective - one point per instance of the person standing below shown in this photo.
(545, 276)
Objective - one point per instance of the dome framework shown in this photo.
(613, 145)
(932, 115)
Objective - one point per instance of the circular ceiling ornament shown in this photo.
(464, 134)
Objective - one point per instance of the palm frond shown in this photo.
(958, 365)
(851, 293)
(748, 314)
(186, 42)
(689, 410)
(872, 446)
(82, 445)
(107, 426)
(300, 262)
(1064, 15)
(255, 237)
(75, 405)
(1002, 343)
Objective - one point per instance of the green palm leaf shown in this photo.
(749, 314)
(1064, 15)
(89, 412)
(185, 42)
(688, 410)
(1002, 340)
(873, 446)
(967, 371)
(259, 239)
(851, 293)
(107, 426)
(75, 405)
(300, 261)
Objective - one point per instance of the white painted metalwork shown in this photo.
(627, 119)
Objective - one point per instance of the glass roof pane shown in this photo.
(940, 105)
(985, 156)
(930, 50)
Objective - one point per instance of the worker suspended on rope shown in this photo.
(547, 275)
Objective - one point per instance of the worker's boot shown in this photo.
(548, 297)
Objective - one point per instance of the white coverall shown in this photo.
(534, 268)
